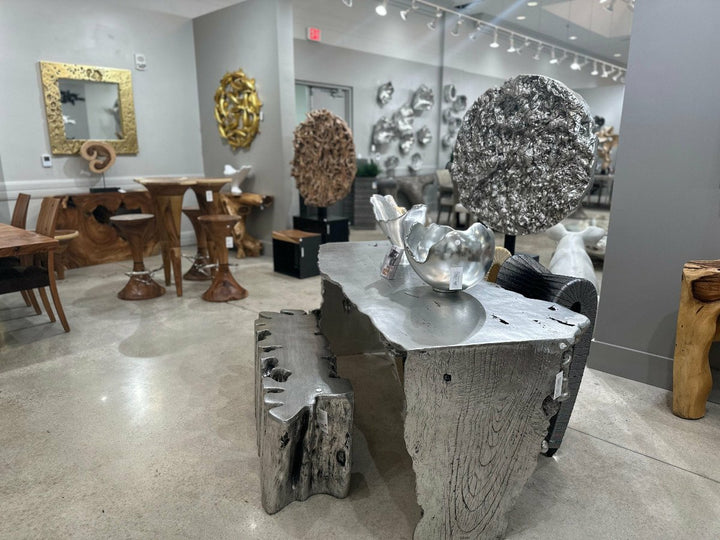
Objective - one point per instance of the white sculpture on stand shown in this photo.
(570, 257)
(238, 177)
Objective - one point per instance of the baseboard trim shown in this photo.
(639, 366)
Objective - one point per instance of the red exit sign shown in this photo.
(314, 34)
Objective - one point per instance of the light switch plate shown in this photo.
(46, 160)
(140, 62)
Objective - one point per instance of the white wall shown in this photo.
(255, 36)
(89, 32)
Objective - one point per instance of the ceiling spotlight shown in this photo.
(536, 56)
(608, 4)
(562, 58)
(617, 55)
(572, 38)
(475, 32)
(622, 79)
(495, 43)
(405, 12)
(348, 3)
(381, 8)
(595, 71)
(617, 75)
(432, 25)
(605, 72)
(512, 48)
(575, 66)
(524, 46)
(553, 58)
(456, 31)
(585, 63)
(521, 17)
(532, 4)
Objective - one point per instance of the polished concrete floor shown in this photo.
(139, 423)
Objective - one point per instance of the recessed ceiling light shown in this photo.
(532, 4)
(617, 55)
(520, 17)
(572, 38)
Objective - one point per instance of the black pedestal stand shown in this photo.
(510, 243)
(334, 229)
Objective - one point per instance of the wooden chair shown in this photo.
(19, 220)
(28, 274)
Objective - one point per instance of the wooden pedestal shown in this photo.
(198, 270)
(224, 287)
(697, 328)
(241, 205)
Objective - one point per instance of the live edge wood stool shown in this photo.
(697, 328)
(167, 195)
(135, 228)
(219, 231)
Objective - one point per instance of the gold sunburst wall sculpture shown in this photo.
(237, 109)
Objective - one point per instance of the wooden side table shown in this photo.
(167, 195)
(224, 287)
(697, 328)
(135, 228)
(241, 205)
(207, 193)
(199, 270)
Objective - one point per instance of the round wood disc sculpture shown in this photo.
(237, 109)
(100, 155)
(524, 155)
(324, 164)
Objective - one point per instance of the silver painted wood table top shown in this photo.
(410, 315)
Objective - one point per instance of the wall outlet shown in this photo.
(46, 160)
(140, 62)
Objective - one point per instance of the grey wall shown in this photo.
(87, 32)
(249, 36)
(666, 201)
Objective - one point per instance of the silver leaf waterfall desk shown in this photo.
(480, 371)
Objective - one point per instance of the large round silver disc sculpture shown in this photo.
(324, 163)
(524, 155)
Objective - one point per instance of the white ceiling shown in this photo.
(600, 33)
(184, 8)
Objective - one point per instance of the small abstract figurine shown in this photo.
(570, 257)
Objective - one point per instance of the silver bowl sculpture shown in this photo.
(390, 217)
(446, 259)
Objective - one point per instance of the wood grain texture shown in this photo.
(303, 412)
(98, 241)
(483, 406)
(135, 228)
(224, 287)
(16, 242)
(236, 205)
(697, 327)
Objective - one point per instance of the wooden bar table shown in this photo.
(481, 375)
(167, 195)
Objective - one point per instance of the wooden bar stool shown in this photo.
(135, 228)
(224, 287)
(199, 271)
(207, 193)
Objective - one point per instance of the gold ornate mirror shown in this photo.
(88, 103)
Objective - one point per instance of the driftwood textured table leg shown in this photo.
(697, 327)
(224, 287)
(135, 228)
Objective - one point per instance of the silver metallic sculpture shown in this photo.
(424, 136)
(423, 99)
(454, 124)
(389, 217)
(383, 131)
(407, 141)
(385, 93)
(460, 104)
(403, 120)
(416, 162)
(445, 258)
(447, 115)
(447, 140)
(524, 155)
(449, 93)
(391, 163)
